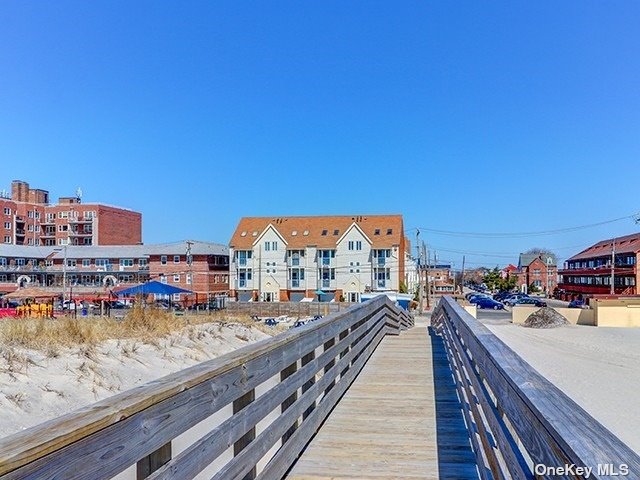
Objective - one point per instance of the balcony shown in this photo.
(78, 220)
(79, 234)
(20, 232)
(601, 270)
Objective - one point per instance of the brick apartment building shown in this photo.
(588, 273)
(316, 257)
(28, 218)
(538, 269)
(99, 271)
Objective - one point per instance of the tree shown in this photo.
(403, 287)
(533, 288)
(492, 278)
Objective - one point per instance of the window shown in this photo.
(336, 232)
(126, 262)
(102, 262)
(37, 228)
(163, 260)
(7, 239)
(176, 278)
(355, 245)
(86, 262)
(38, 215)
(389, 231)
(51, 217)
(7, 225)
(274, 246)
(71, 262)
(305, 233)
(30, 241)
(30, 214)
(63, 228)
(324, 233)
(376, 231)
(163, 279)
(350, 245)
(267, 246)
(188, 279)
(63, 241)
(142, 262)
(63, 215)
(30, 228)
(176, 297)
(294, 233)
(7, 211)
(176, 259)
(243, 234)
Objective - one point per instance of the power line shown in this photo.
(525, 234)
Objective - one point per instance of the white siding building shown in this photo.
(326, 258)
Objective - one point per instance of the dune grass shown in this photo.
(140, 323)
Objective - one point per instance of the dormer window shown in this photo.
(389, 231)
(324, 233)
(305, 233)
(376, 231)
(243, 234)
(294, 233)
(336, 232)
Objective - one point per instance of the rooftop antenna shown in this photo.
(79, 194)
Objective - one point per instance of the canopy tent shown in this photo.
(32, 292)
(153, 287)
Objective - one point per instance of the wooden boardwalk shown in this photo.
(400, 419)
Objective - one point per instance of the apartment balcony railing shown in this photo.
(79, 234)
(293, 261)
(20, 232)
(80, 220)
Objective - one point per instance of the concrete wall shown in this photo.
(576, 316)
(617, 313)
(472, 309)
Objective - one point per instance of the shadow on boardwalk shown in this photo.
(455, 456)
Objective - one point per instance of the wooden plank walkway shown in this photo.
(400, 419)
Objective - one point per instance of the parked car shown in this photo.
(500, 296)
(511, 299)
(529, 301)
(577, 304)
(486, 302)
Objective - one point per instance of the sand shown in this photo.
(35, 387)
(598, 367)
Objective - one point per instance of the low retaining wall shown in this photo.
(576, 316)
(617, 313)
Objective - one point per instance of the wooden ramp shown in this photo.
(400, 419)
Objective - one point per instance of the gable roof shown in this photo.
(626, 244)
(293, 230)
(526, 259)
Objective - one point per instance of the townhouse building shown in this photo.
(589, 272)
(96, 271)
(316, 257)
(27, 218)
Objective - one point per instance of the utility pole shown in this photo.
(462, 277)
(190, 265)
(613, 266)
(420, 301)
(64, 278)
(424, 249)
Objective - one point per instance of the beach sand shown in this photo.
(598, 367)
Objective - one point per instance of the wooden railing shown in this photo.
(518, 418)
(310, 368)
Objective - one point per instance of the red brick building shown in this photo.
(539, 270)
(27, 218)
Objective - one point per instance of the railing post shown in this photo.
(327, 345)
(287, 372)
(152, 462)
(342, 335)
(248, 437)
(308, 384)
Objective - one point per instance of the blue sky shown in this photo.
(475, 117)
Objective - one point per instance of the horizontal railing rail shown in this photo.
(313, 365)
(518, 419)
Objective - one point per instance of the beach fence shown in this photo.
(290, 309)
(306, 370)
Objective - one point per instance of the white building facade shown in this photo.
(316, 258)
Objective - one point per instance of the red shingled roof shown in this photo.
(384, 231)
(626, 244)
